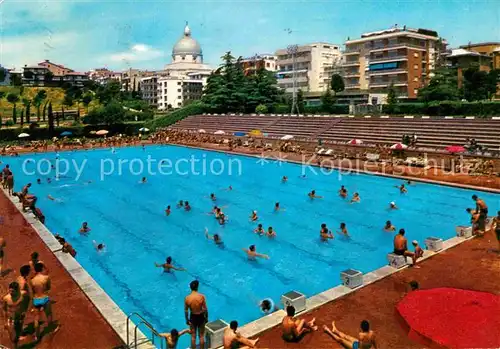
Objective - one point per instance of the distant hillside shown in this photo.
(54, 94)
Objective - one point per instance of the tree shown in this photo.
(28, 74)
(44, 110)
(327, 101)
(38, 100)
(442, 87)
(337, 84)
(391, 96)
(22, 118)
(3, 74)
(27, 107)
(12, 98)
(2, 94)
(261, 109)
(48, 77)
(51, 119)
(479, 85)
(300, 101)
(86, 99)
(16, 80)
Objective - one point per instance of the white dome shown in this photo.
(187, 45)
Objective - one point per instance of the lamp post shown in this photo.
(292, 50)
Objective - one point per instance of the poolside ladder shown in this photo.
(162, 342)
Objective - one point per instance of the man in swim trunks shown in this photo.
(259, 230)
(284, 179)
(312, 195)
(366, 337)
(85, 229)
(167, 210)
(325, 233)
(478, 222)
(495, 226)
(482, 211)
(389, 227)
(401, 246)
(5, 173)
(253, 216)
(216, 238)
(168, 266)
(10, 183)
(343, 230)
(252, 253)
(233, 339)
(173, 337)
(40, 285)
(187, 207)
(271, 233)
(196, 313)
(13, 303)
(295, 330)
(34, 260)
(355, 198)
(2, 253)
(418, 251)
(212, 197)
(67, 248)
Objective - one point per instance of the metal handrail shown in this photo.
(154, 333)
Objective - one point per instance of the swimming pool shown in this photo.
(129, 218)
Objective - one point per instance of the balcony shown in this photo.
(396, 83)
(387, 72)
(290, 80)
(389, 59)
(351, 64)
(351, 86)
(351, 75)
(394, 46)
(298, 59)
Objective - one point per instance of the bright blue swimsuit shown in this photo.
(40, 302)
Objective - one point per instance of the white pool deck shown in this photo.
(118, 319)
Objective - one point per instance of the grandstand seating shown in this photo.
(431, 132)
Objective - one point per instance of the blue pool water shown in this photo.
(129, 218)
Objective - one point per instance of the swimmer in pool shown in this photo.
(253, 216)
(48, 180)
(143, 180)
(259, 230)
(252, 254)
(212, 197)
(85, 229)
(271, 233)
(173, 337)
(222, 219)
(217, 212)
(343, 230)
(98, 247)
(325, 233)
(267, 306)
(343, 192)
(393, 206)
(216, 238)
(389, 227)
(228, 188)
(167, 211)
(312, 195)
(284, 179)
(168, 266)
(38, 181)
(277, 207)
(402, 189)
(355, 198)
(180, 204)
(187, 207)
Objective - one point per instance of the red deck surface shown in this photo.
(82, 326)
(471, 265)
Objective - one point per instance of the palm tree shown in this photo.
(37, 101)
(27, 107)
(13, 99)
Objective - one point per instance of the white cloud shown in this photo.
(136, 53)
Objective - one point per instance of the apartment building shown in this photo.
(170, 92)
(491, 49)
(314, 65)
(103, 75)
(403, 57)
(259, 61)
(149, 90)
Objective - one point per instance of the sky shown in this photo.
(119, 34)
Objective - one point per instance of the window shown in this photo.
(415, 54)
(178, 82)
(179, 104)
(415, 66)
(415, 79)
(179, 90)
(415, 91)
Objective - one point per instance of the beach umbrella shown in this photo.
(399, 146)
(455, 149)
(23, 135)
(286, 137)
(144, 129)
(219, 132)
(92, 132)
(66, 133)
(202, 131)
(355, 141)
(102, 132)
(239, 134)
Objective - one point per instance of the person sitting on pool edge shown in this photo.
(389, 227)
(168, 266)
(366, 337)
(173, 337)
(313, 195)
(259, 230)
(324, 233)
(401, 246)
(233, 339)
(295, 330)
(252, 253)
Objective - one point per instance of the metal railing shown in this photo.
(154, 334)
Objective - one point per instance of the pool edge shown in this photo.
(104, 304)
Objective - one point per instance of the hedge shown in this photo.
(177, 115)
(10, 134)
(444, 108)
